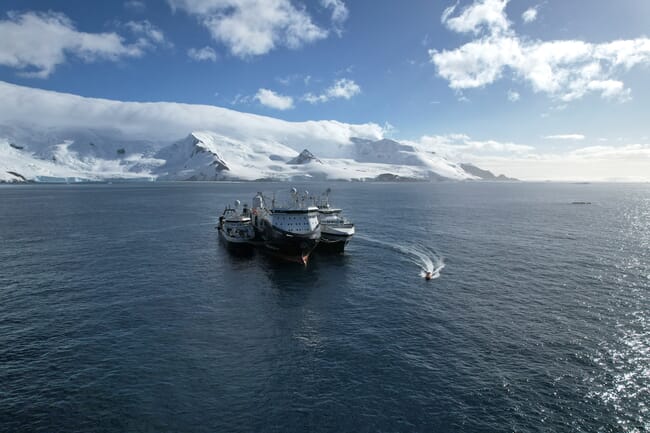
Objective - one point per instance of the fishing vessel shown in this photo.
(289, 228)
(235, 226)
(336, 230)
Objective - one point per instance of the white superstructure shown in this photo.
(336, 230)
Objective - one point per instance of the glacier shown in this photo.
(48, 136)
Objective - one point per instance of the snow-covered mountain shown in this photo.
(209, 156)
(60, 162)
(49, 136)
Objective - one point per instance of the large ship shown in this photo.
(336, 230)
(235, 227)
(289, 229)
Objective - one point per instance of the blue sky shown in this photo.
(546, 75)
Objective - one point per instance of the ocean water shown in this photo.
(120, 311)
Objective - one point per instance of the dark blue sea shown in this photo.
(120, 311)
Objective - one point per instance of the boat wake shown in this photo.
(428, 260)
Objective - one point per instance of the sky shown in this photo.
(549, 89)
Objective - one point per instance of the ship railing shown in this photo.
(294, 201)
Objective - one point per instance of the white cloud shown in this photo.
(253, 27)
(513, 96)
(564, 69)
(347, 70)
(36, 43)
(271, 99)
(291, 79)
(601, 163)
(389, 129)
(628, 162)
(205, 54)
(339, 13)
(460, 147)
(474, 64)
(240, 99)
(610, 89)
(574, 137)
(529, 15)
(629, 151)
(148, 34)
(483, 14)
(343, 88)
(443, 19)
(146, 28)
(135, 5)
(166, 122)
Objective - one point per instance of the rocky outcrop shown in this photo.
(305, 157)
(481, 173)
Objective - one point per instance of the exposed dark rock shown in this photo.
(220, 165)
(390, 177)
(18, 175)
(481, 173)
(305, 157)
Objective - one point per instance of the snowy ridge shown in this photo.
(20, 165)
(49, 136)
(206, 155)
(390, 151)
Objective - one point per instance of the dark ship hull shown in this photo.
(235, 246)
(293, 247)
(332, 243)
(235, 231)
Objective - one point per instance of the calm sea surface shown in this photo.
(120, 311)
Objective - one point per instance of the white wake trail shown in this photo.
(425, 258)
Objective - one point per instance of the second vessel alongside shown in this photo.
(235, 227)
(336, 230)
